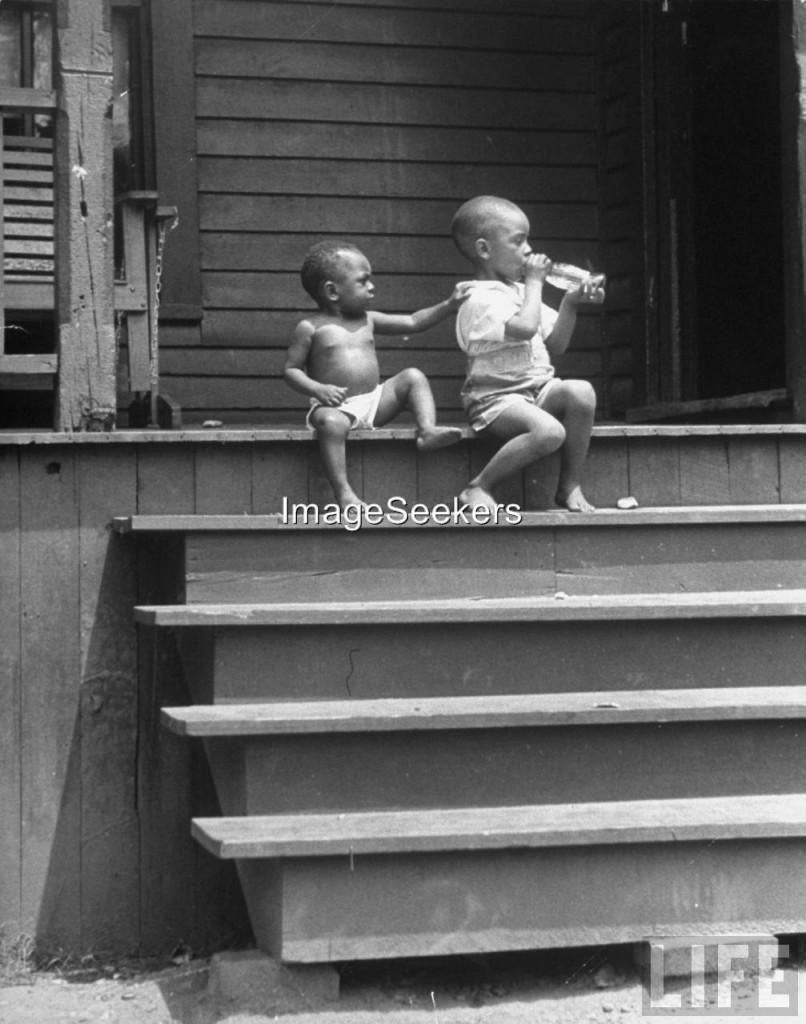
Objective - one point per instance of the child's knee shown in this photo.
(412, 377)
(581, 395)
(548, 437)
(555, 435)
(330, 424)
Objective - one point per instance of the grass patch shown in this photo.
(17, 959)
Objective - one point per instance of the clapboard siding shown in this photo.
(435, 362)
(328, 215)
(557, 8)
(267, 59)
(386, 180)
(447, 145)
(373, 121)
(349, 102)
(241, 250)
(255, 328)
(509, 26)
(253, 289)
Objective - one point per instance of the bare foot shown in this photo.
(575, 501)
(474, 495)
(346, 496)
(437, 437)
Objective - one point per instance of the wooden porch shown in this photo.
(686, 615)
(101, 796)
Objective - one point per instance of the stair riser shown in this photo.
(373, 907)
(579, 560)
(462, 659)
(505, 767)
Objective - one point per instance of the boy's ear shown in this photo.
(330, 291)
(481, 247)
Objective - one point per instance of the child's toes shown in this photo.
(438, 437)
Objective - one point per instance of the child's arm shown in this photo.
(591, 292)
(526, 322)
(296, 364)
(415, 323)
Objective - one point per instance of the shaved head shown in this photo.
(322, 262)
(476, 218)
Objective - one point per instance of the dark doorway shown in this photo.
(721, 316)
(737, 217)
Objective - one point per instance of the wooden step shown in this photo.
(560, 608)
(499, 750)
(372, 885)
(252, 558)
(354, 650)
(655, 516)
(487, 712)
(713, 819)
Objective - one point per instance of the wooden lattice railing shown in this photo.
(26, 273)
(27, 270)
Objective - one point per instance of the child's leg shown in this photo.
(332, 428)
(410, 389)
(573, 402)
(529, 433)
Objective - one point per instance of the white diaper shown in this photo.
(360, 409)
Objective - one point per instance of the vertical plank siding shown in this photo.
(374, 122)
(620, 197)
(108, 705)
(50, 714)
(11, 919)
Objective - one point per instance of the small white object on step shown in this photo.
(627, 503)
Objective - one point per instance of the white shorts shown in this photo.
(482, 411)
(359, 409)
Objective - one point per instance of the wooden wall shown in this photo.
(373, 120)
(622, 204)
(95, 853)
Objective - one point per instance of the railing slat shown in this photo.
(14, 99)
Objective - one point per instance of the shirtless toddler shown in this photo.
(332, 359)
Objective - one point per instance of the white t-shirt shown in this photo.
(496, 363)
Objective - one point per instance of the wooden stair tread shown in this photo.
(485, 828)
(560, 608)
(552, 709)
(649, 516)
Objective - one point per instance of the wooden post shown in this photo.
(176, 164)
(2, 245)
(794, 102)
(83, 196)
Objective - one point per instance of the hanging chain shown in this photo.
(162, 232)
(119, 319)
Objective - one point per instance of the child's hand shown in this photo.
(536, 267)
(460, 293)
(590, 292)
(330, 394)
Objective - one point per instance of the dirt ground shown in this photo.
(568, 988)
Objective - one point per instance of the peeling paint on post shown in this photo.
(84, 218)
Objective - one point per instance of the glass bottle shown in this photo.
(566, 276)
